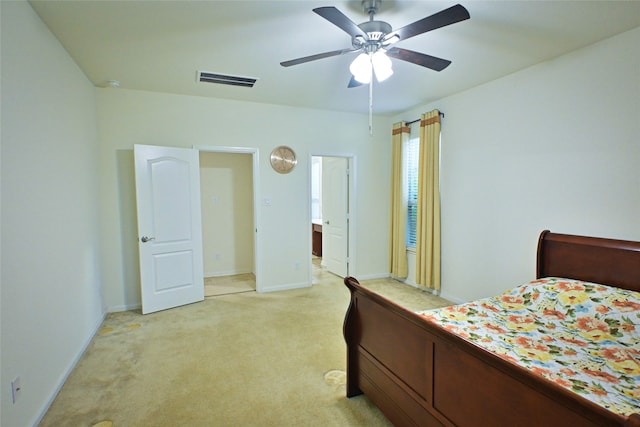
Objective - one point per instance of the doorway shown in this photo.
(228, 221)
(331, 212)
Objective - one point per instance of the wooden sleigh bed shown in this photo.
(420, 374)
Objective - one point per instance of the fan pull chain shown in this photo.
(371, 105)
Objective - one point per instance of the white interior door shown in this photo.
(169, 226)
(335, 215)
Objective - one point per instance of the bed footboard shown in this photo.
(421, 375)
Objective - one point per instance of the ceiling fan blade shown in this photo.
(339, 19)
(316, 56)
(441, 19)
(353, 83)
(437, 64)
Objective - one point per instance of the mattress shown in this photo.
(582, 336)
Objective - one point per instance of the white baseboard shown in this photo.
(452, 298)
(127, 307)
(227, 273)
(137, 306)
(285, 287)
(65, 375)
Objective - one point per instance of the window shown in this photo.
(411, 169)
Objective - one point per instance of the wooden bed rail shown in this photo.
(420, 374)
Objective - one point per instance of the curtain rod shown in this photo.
(417, 120)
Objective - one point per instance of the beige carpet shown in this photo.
(244, 359)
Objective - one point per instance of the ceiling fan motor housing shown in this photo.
(376, 30)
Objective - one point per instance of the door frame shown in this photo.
(255, 155)
(351, 203)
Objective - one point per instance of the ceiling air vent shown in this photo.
(208, 77)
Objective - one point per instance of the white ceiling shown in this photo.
(160, 45)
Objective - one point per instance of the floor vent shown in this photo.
(207, 77)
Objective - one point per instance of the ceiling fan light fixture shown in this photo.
(361, 68)
(382, 65)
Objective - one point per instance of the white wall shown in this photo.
(226, 188)
(51, 302)
(554, 147)
(127, 117)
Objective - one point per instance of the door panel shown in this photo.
(169, 177)
(335, 202)
(169, 219)
(173, 270)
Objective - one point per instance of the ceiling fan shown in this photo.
(374, 39)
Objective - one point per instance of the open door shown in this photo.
(335, 215)
(169, 226)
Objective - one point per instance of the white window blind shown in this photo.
(411, 168)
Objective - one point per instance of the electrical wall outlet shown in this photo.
(16, 389)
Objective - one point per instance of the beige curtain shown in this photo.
(428, 228)
(399, 200)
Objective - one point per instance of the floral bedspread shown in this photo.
(582, 336)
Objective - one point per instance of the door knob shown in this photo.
(145, 239)
(326, 222)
